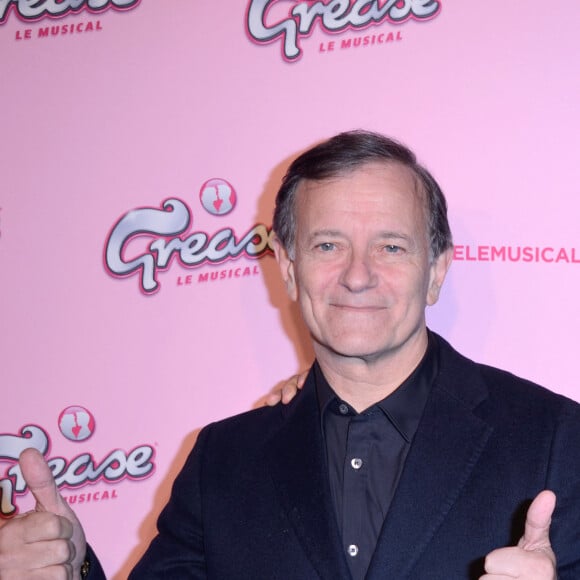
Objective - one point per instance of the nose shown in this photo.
(358, 274)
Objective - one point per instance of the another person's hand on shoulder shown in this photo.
(287, 391)
(48, 542)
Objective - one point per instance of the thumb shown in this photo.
(42, 485)
(40, 481)
(538, 520)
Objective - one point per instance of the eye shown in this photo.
(393, 249)
(326, 246)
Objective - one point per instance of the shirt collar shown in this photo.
(403, 407)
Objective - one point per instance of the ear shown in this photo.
(286, 265)
(437, 273)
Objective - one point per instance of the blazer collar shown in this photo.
(447, 446)
(297, 460)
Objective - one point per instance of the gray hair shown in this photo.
(346, 152)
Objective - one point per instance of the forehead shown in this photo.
(374, 190)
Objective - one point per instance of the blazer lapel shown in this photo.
(446, 447)
(297, 461)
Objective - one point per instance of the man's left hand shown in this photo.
(533, 557)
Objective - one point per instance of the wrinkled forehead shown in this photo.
(408, 182)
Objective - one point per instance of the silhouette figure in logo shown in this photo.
(76, 425)
(218, 197)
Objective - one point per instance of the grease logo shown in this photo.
(71, 475)
(149, 240)
(269, 21)
(33, 11)
(37, 10)
(76, 423)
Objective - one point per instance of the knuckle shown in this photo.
(52, 525)
(64, 572)
(49, 525)
(488, 561)
(61, 572)
(62, 551)
(544, 566)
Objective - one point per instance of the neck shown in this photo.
(364, 381)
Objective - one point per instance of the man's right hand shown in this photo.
(47, 543)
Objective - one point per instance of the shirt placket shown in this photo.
(355, 489)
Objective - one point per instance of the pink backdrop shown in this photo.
(145, 102)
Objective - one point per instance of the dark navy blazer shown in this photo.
(253, 500)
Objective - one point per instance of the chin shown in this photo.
(358, 350)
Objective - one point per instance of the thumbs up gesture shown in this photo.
(533, 557)
(48, 542)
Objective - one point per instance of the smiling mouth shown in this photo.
(361, 308)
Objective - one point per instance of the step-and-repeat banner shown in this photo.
(142, 143)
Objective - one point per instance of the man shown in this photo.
(398, 459)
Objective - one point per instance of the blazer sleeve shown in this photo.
(564, 480)
(95, 569)
(178, 549)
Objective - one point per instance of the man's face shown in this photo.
(362, 272)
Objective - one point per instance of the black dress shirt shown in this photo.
(366, 453)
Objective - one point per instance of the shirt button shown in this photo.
(343, 409)
(353, 550)
(356, 463)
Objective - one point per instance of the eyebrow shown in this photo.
(326, 233)
(394, 236)
(387, 235)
